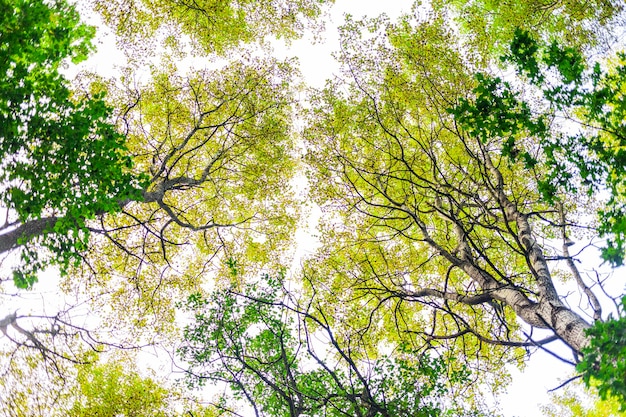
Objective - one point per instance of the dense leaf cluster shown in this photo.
(265, 350)
(603, 365)
(62, 156)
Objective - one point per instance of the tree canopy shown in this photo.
(467, 159)
(284, 359)
(63, 161)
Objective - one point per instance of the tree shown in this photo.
(447, 196)
(281, 359)
(181, 163)
(115, 387)
(31, 386)
(110, 389)
(588, 160)
(221, 114)
(134, 189)
(63, 162)
(602, 366)
(206, 140)
(598, 160)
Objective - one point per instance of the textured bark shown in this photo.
(549, 311)
(546, 312)
(16, 236)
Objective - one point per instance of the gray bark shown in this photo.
(549, 312)
(15, 237)
(11, 239)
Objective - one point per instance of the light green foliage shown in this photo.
(442, 188)
(31, 386)
(212, 25)
(219, 148)
(61, 156)
(265, 349)
(416, 159)
(402, 184)
(215, 157)
(574, 401)
(112, 389)
(489, 25)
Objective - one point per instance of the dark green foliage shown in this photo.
(61, 155)
(604, 362)
(590, 159)
(497, 111)
(264, 349)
